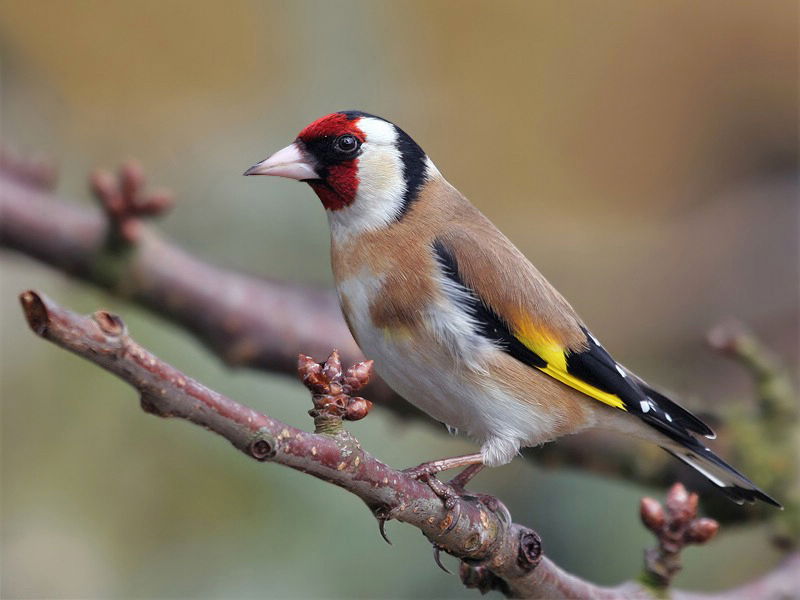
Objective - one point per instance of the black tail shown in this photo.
(680, 416)
(681, 426)
(730, 481)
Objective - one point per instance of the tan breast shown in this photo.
(400, 257)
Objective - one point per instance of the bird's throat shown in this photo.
(337, 190)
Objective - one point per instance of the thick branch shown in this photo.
(497, 553)
(476, 530)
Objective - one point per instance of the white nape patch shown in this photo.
(381, 186)
(620, 370)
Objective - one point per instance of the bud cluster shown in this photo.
(332, 388)
(124, 201)
(675, 527)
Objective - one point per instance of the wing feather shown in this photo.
(562, 348)
(513, 305)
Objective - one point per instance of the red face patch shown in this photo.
(333, 125)
(338, 171)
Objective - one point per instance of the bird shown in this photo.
(458, 321)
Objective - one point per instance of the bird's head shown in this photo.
(366, 171)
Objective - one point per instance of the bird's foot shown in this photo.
(451, 491)
(448, 492)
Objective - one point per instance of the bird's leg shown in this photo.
(461, 480)
(445, 464)
(448, 492)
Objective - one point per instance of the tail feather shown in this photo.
(730, 481)
(680, 426)
(680, 415)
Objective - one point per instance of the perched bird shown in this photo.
(458, 321)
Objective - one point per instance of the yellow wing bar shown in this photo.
(554, 355)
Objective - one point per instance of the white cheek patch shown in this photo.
(381, 186)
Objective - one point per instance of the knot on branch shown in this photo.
(110, 323)
(530, 550)
(37, 171)
(124, 201)
(332, 390)
(674, 528)
(263, 446)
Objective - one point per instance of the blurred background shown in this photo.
(642, 154)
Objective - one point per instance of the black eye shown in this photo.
(346, 144)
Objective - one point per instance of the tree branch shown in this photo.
(496, 553)
(476, 529)
(260, 323)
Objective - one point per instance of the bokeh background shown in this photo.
(643, 154)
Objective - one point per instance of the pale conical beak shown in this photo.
(289, 162)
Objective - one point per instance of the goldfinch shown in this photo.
(457, 320)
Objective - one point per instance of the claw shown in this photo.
(383, 514)
(456, 516)
(382, 529)
(438, 559)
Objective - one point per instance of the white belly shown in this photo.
(445, 375)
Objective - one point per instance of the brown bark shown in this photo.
(496, 553)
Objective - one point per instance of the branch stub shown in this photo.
(262, 447)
